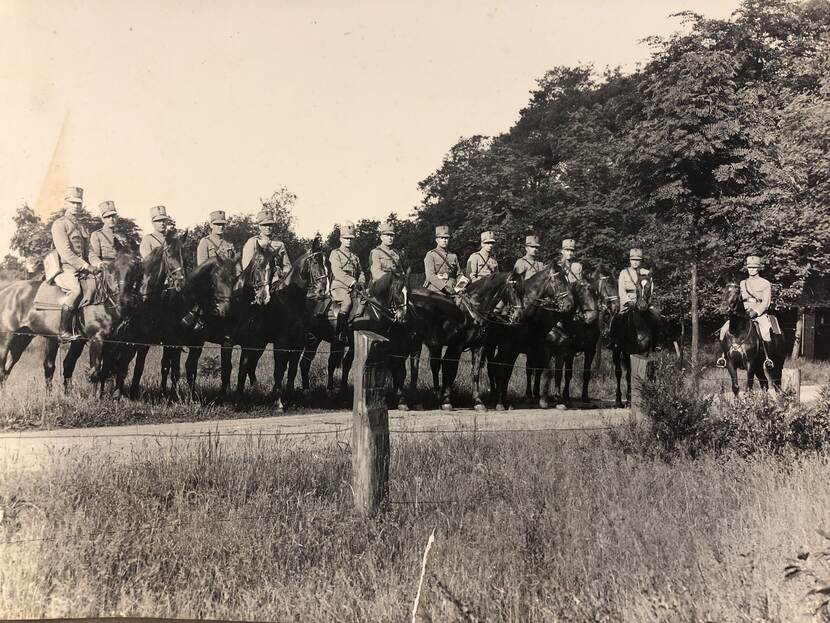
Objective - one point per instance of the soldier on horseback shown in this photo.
(267, 242)
(528, 265)
(756, 293)
(155, 239)
(566, 260)
(104, 243)
(71, 241)
(383, 258)
(440, 266)
(482, 263)
(627, 288)
(214, 244)
(346, 276)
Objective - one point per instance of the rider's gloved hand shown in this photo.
(752, 313)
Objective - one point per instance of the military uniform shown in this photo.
(103, 242)
(268, 244)
(566, 264)
(214, 245)
(346, 272)
(527, 266)
(441, 271)
(154, 239)
(383, 259)
(478, 266)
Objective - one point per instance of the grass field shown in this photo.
(528, 527)
(25, 401)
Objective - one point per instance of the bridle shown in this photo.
(546, 303)
(511, 308)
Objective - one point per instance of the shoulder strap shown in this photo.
(107, 238)
(385, 252)
(155, 237)
(444, 259)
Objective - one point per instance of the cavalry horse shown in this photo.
(159, 314)
(278, 317)
(632, 333)
(596, 297)
(31, 308)
(547, 299)
(462, 324)
(743, 347)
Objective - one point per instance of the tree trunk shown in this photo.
(799, 328)
(695, 326)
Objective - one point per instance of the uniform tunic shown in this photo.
(151, 241)
(102, 246)
(383, 260)
(527, 266)
(345, 269)
(266, 244)
(213, 246)
(627, 285)
(441, 270)
(757, 295)
(572, 277)
(71, 240)
(478, 266)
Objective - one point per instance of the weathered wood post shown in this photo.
(370, 422)
(791, 382)
(641, 370)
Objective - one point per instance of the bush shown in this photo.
(684, 422)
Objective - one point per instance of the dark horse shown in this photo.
(632, 333)
(547, 300)
(743, 347)
(386, 312)
(278, 316)
(597, 298)
(161, 309)
(103, 317)
(460, 324)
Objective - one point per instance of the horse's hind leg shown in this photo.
(569, 373)
(10, 353)
(138, 370)
(477, 355)
(586, 371)
(50, 354)
(307, 357)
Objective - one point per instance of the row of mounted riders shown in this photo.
(140, 302)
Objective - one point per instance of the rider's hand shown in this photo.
(753, 313)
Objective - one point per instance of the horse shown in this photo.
(282, 319)
(633, 333)
(546, 300)
(596, 298)
(102, 317)
(161, 309)
(743, 347)
(461, 324)
(386, 312)
(211, 287)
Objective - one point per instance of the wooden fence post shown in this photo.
(370, 422)
(791, 382)
(641, 370)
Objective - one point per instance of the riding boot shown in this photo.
(67, 330)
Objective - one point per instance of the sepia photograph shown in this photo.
(415, 311)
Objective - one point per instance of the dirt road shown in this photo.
(33, 449)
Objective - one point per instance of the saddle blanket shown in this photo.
(767, 324)
(51, 297)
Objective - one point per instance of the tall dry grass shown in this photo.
(529, 527)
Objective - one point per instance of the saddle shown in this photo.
(327, 307)
(49, 296)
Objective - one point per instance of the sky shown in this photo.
(210, 105)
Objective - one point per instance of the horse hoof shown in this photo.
(561, 406)
(543, 404)
(446, 406)
(480, 407)
(618, 403)
(500, 407)
(403, 407)
(585, 399)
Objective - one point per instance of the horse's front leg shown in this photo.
(569, 373)
(587, 369)
(69, 361)
(617, 355)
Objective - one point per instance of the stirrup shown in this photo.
(769, 363)
(721, 362)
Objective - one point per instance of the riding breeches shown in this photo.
(343, 298)
(68, 281)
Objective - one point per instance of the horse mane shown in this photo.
(202, 280)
